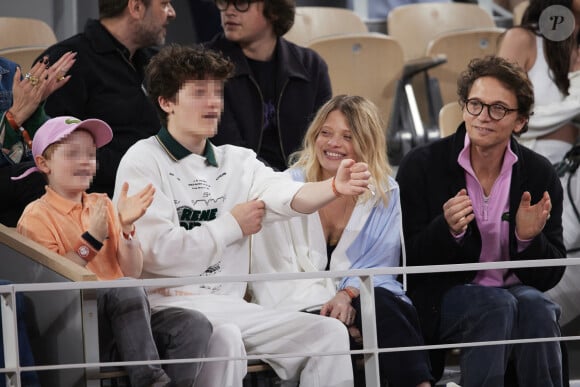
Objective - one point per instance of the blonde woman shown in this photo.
(348, 233)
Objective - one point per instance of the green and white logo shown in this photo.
(190, 218)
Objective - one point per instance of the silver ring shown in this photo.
(27, 76)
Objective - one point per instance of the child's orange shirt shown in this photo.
(58, 223)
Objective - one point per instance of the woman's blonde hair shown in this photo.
(368, 140)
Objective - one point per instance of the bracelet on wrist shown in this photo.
(18, 128)
(349, 293)
(26, 137)
(95, 244)
(334, 190)
(128, 236)
(11, 120)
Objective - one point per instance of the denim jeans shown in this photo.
(472, 313)
(129, 331)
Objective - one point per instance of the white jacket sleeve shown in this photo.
(276, 189)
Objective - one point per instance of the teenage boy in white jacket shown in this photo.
(208, 201)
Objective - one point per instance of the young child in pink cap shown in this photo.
(87, 229)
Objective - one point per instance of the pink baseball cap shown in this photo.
(56, 129)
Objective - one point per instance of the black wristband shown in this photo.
(92, 241)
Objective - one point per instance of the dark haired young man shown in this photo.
(277, 86)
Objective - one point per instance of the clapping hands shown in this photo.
(98, 220)
(39, 82)
(531, 219)
(131, 208)
(458, 212)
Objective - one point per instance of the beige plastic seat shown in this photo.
(24, 56)
(450, 116)
(19, 31)
(415, 25)
(460, 47)
(368, 65)
(316, 22)
(519, 12)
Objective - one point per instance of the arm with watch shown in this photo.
(129, 209)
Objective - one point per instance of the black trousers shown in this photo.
(398, 326)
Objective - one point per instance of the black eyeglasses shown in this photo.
(239, 5)
(494, 111)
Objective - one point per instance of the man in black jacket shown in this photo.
(107, 79)
(478, 196)
(277, 86)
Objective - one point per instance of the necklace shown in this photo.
(334, 218)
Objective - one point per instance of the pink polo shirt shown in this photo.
(492, 217)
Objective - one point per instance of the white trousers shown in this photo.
(242, 328)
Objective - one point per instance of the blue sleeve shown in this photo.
(378, 245)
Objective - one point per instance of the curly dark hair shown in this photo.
(557, 53)
(175, 64)
(112, 8)
(281, 14)
(512, 76)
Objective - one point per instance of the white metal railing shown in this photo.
(370, 348)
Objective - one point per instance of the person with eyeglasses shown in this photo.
(277, 87)
(480, 196)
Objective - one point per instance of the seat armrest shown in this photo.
(40, 254)
(416, 66)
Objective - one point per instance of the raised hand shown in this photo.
(131, 208)
(458, 212)
(531, 219)
(56, 74)
(352, 178)
(98, 220)
(27, 92)
(249, 216)
(39, 82)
